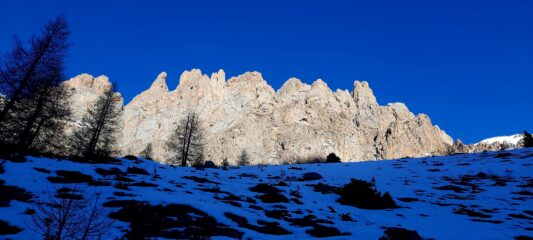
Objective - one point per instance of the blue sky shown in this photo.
(467, 64)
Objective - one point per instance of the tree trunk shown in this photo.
(184, 150)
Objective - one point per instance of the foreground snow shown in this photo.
(430, 206)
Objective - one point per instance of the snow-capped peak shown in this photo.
(512, 139)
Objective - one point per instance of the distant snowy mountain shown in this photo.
(463, 196)
(512, 139)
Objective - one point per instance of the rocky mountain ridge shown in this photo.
(299, 121)
(491, 144)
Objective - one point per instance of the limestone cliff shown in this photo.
(297, 121)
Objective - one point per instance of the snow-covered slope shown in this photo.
(512, 139)
(471, 196)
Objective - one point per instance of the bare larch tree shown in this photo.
(65, 216)
(186, 141)
(44, 120)
(95, 137)
(34, 102)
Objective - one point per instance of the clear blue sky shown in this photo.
(467, 64)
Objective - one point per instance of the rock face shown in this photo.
(299, 121)
(85, 89)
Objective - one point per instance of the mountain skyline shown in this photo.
(462, 66)
(278, 119)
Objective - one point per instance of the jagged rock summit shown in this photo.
(491, 144)
(299, 121)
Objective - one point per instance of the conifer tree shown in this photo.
(186, 141)
(95, 137)
(528, 140)
(244, 158)
(147, 152)
(34, 105)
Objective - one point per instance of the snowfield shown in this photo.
(471, 196)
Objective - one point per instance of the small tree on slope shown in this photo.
(186, 141)
(244, 158)
(96, 135)
(528, 140)
(147, 152)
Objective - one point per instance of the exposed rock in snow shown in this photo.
(296, 122)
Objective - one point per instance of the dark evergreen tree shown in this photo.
(186, 141)
(45, 121)
(528, 140)
(147, 152)
(95, 137)
(34, 106)
(244, 158)
(225, 163)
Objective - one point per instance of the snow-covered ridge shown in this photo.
(512, 139)
(464, 196)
